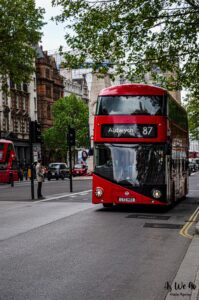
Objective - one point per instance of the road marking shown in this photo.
(84, 193)
(62, 196)
(189, 223)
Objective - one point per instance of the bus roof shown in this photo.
(132, 89)
(5, 141)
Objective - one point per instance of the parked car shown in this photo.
(196, 161)
(192, 167)
(79, 169)
(57, 170)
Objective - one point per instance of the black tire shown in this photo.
(107, 205)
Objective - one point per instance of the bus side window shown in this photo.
(7, 155)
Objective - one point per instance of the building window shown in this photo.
(35, 103)
(12, 125)
(17, 102)
(34, 79)
(25, 87)
(7, 123)
(19, 87)
(12, 85)
(47, 73)
(48, 91)
(24, 103)
(48, 112)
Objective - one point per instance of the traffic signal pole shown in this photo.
(34, 137)
(71, 142)
(70, 169)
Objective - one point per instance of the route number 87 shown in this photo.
(147, 130)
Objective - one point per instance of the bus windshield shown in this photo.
(131, 105)
(3, 166)
(131, 164)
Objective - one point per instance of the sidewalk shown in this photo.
(186, 283)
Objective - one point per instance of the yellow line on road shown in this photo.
(189, 223)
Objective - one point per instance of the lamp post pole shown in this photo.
(0, 123)
(31, 129)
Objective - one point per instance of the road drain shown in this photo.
(151, 217)
(166, 226)
(190, 202)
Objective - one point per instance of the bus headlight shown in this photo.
(99, 192)
(156, 193)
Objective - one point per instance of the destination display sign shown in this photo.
(129, 131)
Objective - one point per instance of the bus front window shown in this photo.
(130, 165)
(131, 105)
(3, 166)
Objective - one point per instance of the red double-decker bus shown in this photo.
(193, 154)
(140, 147)
(8, 162)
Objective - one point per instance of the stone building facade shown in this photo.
(17, 106)
(77, 86)
(50, 87)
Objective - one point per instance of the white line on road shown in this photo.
(61, 196)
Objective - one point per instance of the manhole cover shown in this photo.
(166, 226)
(151, 217)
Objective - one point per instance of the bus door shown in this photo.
(168, 176)
(174, 174)
(178, 176)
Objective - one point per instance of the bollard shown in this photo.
(11, 180)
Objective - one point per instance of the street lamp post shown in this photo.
(0, 123)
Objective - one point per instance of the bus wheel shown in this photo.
(108, 204)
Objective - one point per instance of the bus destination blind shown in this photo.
(129, 131)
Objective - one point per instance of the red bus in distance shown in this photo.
(193, 154)
(8, 162)
(140, 147)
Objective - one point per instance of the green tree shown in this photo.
(192, 107)
(68, 111)
(134, 36)
(20, 29)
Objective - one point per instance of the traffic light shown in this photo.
(71, 136)
(35, 132)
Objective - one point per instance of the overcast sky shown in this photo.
(53, 35)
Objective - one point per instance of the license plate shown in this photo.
(126, 200)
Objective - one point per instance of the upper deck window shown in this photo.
(131, 105)
(1, 146)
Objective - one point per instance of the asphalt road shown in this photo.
(66, 248)
(22, 190)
